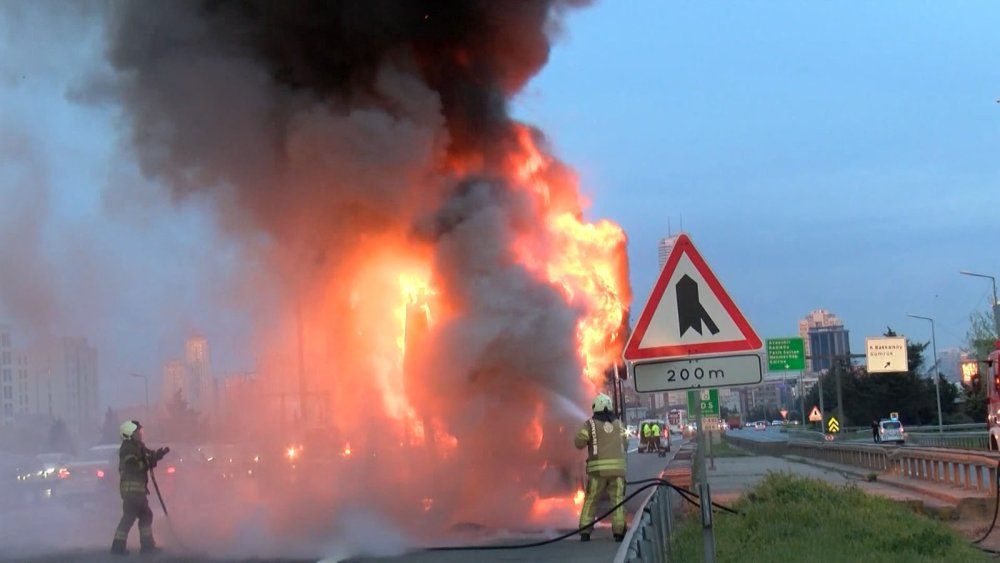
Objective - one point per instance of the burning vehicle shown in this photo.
(430, 294)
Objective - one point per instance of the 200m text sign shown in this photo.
(695, 373)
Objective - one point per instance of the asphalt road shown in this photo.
(47, 531)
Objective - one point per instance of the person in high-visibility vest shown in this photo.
(654, 437)
(646, 433)
(605, 439)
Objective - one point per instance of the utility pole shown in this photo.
(937, 390)
(840, 396)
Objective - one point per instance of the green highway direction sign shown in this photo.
(709, 399)
(786, 354)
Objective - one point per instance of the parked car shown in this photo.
(44, 474)
(92, 476)
(891, 431)
(760, 425)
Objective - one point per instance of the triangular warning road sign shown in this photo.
(815, 415)
(689, 313)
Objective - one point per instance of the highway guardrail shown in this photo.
(968, 471)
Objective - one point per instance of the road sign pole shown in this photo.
(822, 408)
(705, 496)
(840, 396)
(802, 400)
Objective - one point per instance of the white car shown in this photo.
(891, 431)
(760, 425)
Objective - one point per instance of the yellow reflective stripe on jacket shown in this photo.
(132, 487)
(605, 464)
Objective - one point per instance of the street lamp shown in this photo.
(937, 389)
(996, 306)
(145, 381)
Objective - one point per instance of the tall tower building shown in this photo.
(173, 380)
(200, 388)
(192, 376)
(663, 249)
(824, 336)
(65, 371)
(6, 377)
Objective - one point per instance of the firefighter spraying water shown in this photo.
(136, 461)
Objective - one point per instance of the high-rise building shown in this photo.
(825, 342)
(65, 374)
(6, 376)
(191, 376)
(664, 247)
(822, 329)
(25, 399)
(173, 379)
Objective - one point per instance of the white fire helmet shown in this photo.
(128, 428)
(602, 403)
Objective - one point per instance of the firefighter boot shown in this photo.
(118, 547)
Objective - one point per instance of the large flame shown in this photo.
(388, 361)
(584, 260)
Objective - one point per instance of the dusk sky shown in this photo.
(820, 155)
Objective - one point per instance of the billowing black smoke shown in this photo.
(343, 142)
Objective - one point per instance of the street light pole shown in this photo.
(996, 306)
(937, 389)
(145, 381)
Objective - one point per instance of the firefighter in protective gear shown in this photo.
(134, 462)
(605, 438)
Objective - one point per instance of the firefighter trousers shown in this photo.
(615, 488)
(135, 507)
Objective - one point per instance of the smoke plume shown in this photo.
(431, 255)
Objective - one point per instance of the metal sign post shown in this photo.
(705, 497)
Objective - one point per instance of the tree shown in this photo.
(873, 396)
(60, 440)
(181, 423)
(980, 340)
(981, 337)
(110, 428)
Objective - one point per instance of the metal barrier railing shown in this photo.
(648, 539)
(971, 472)
(970, 440)
(955, 436)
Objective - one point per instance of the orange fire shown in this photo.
(468, 430)
(584, 260)
(552, 509)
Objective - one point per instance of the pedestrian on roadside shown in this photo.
(646, 431)
(606, 443)
(875, 430)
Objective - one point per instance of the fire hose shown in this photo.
(687, 495)
(163, 505)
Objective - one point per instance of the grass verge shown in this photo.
(790, 518)
(725, 449)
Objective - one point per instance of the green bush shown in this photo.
(789, 518)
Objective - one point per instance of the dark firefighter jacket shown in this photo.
(133, 468)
